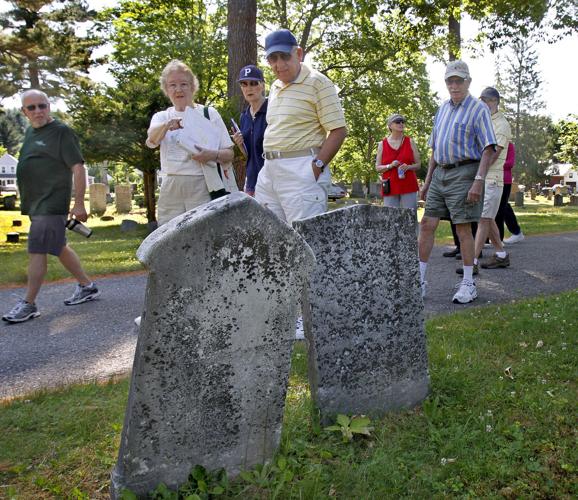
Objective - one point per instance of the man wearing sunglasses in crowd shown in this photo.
(306, 128)
(49, 158)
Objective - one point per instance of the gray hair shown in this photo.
(178, 66)
(31, 92)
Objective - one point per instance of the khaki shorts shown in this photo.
(492, 198)
(47, 234)
(447, 194)
(179, 194)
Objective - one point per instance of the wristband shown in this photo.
(478, 178)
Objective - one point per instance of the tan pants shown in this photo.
(179, 194)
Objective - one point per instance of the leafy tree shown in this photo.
(567, 140)
(12, 127)
(534, 149)
(39, 46)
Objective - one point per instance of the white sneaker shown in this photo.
(423, 289)
(515, 238)
(137, 321)
(466, 292)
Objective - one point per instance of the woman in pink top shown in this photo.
(505, 213)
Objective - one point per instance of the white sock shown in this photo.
(469, 273)
(422, 270)
(502, 255)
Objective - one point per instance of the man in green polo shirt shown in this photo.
(49, 158)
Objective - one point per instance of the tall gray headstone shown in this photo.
(123, 198)
(357, 189)
(519, 199)
(375, 189)
(363, 311)
(214, 350)
(558, 200)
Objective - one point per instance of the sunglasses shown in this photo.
(32, 107)
(398, 121)
(275, 56)
(247, 83)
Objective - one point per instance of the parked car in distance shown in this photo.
(336, 192)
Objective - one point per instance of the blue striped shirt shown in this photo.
(461, 131)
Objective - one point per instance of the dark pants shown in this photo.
(506, 214)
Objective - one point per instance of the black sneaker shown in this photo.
(451, 253)
(82, 294)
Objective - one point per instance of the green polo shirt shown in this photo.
(44, 172)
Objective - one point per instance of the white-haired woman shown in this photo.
(185, 174)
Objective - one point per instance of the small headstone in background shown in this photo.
(574, 200)
(127, 226)
(375, 190)
(97, 198)
(357, 189)
(123, 198)
(519, 199)
(214, 350)
(558, 200)
(363, 311)
(532, 194)
(549, 195)
(12, 237)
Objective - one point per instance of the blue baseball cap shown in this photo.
(251, 72)
(280, 41)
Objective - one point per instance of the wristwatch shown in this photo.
(478, 178)
(319, 164)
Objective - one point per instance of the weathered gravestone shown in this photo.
(558, 200)
(357, 189)
(519, 199)
(214, 349)
(375, 190)
(123, 198)
(574, 200)
(97, 197)
(363, 312)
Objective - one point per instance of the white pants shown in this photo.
(287, 186)
(179, 194)
(408, 200)
(492, 198)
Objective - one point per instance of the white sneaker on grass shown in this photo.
(515, 238)
(466, 292)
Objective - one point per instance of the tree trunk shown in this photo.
(242, 42)
(454, 38)
(149, 184)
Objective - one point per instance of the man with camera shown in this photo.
(50, 157)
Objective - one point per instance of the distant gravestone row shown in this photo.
(213, 356)
(98, 198)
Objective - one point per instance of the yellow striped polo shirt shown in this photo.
(302, 113)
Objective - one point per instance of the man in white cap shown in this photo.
(463, 145)
(306, 128)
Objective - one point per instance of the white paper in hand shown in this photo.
(197, 131)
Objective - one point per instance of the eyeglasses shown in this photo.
(247, 83)
(456, 80)
(398, 121)
(32, 107)
(275, 56)
(178, 86)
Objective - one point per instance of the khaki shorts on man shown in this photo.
(447, 194)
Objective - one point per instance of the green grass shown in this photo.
(107, 251)
(499, 423)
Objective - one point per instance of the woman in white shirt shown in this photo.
(191, 176)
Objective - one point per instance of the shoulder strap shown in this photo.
(206, 112)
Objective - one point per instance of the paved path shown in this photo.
(97, 339)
